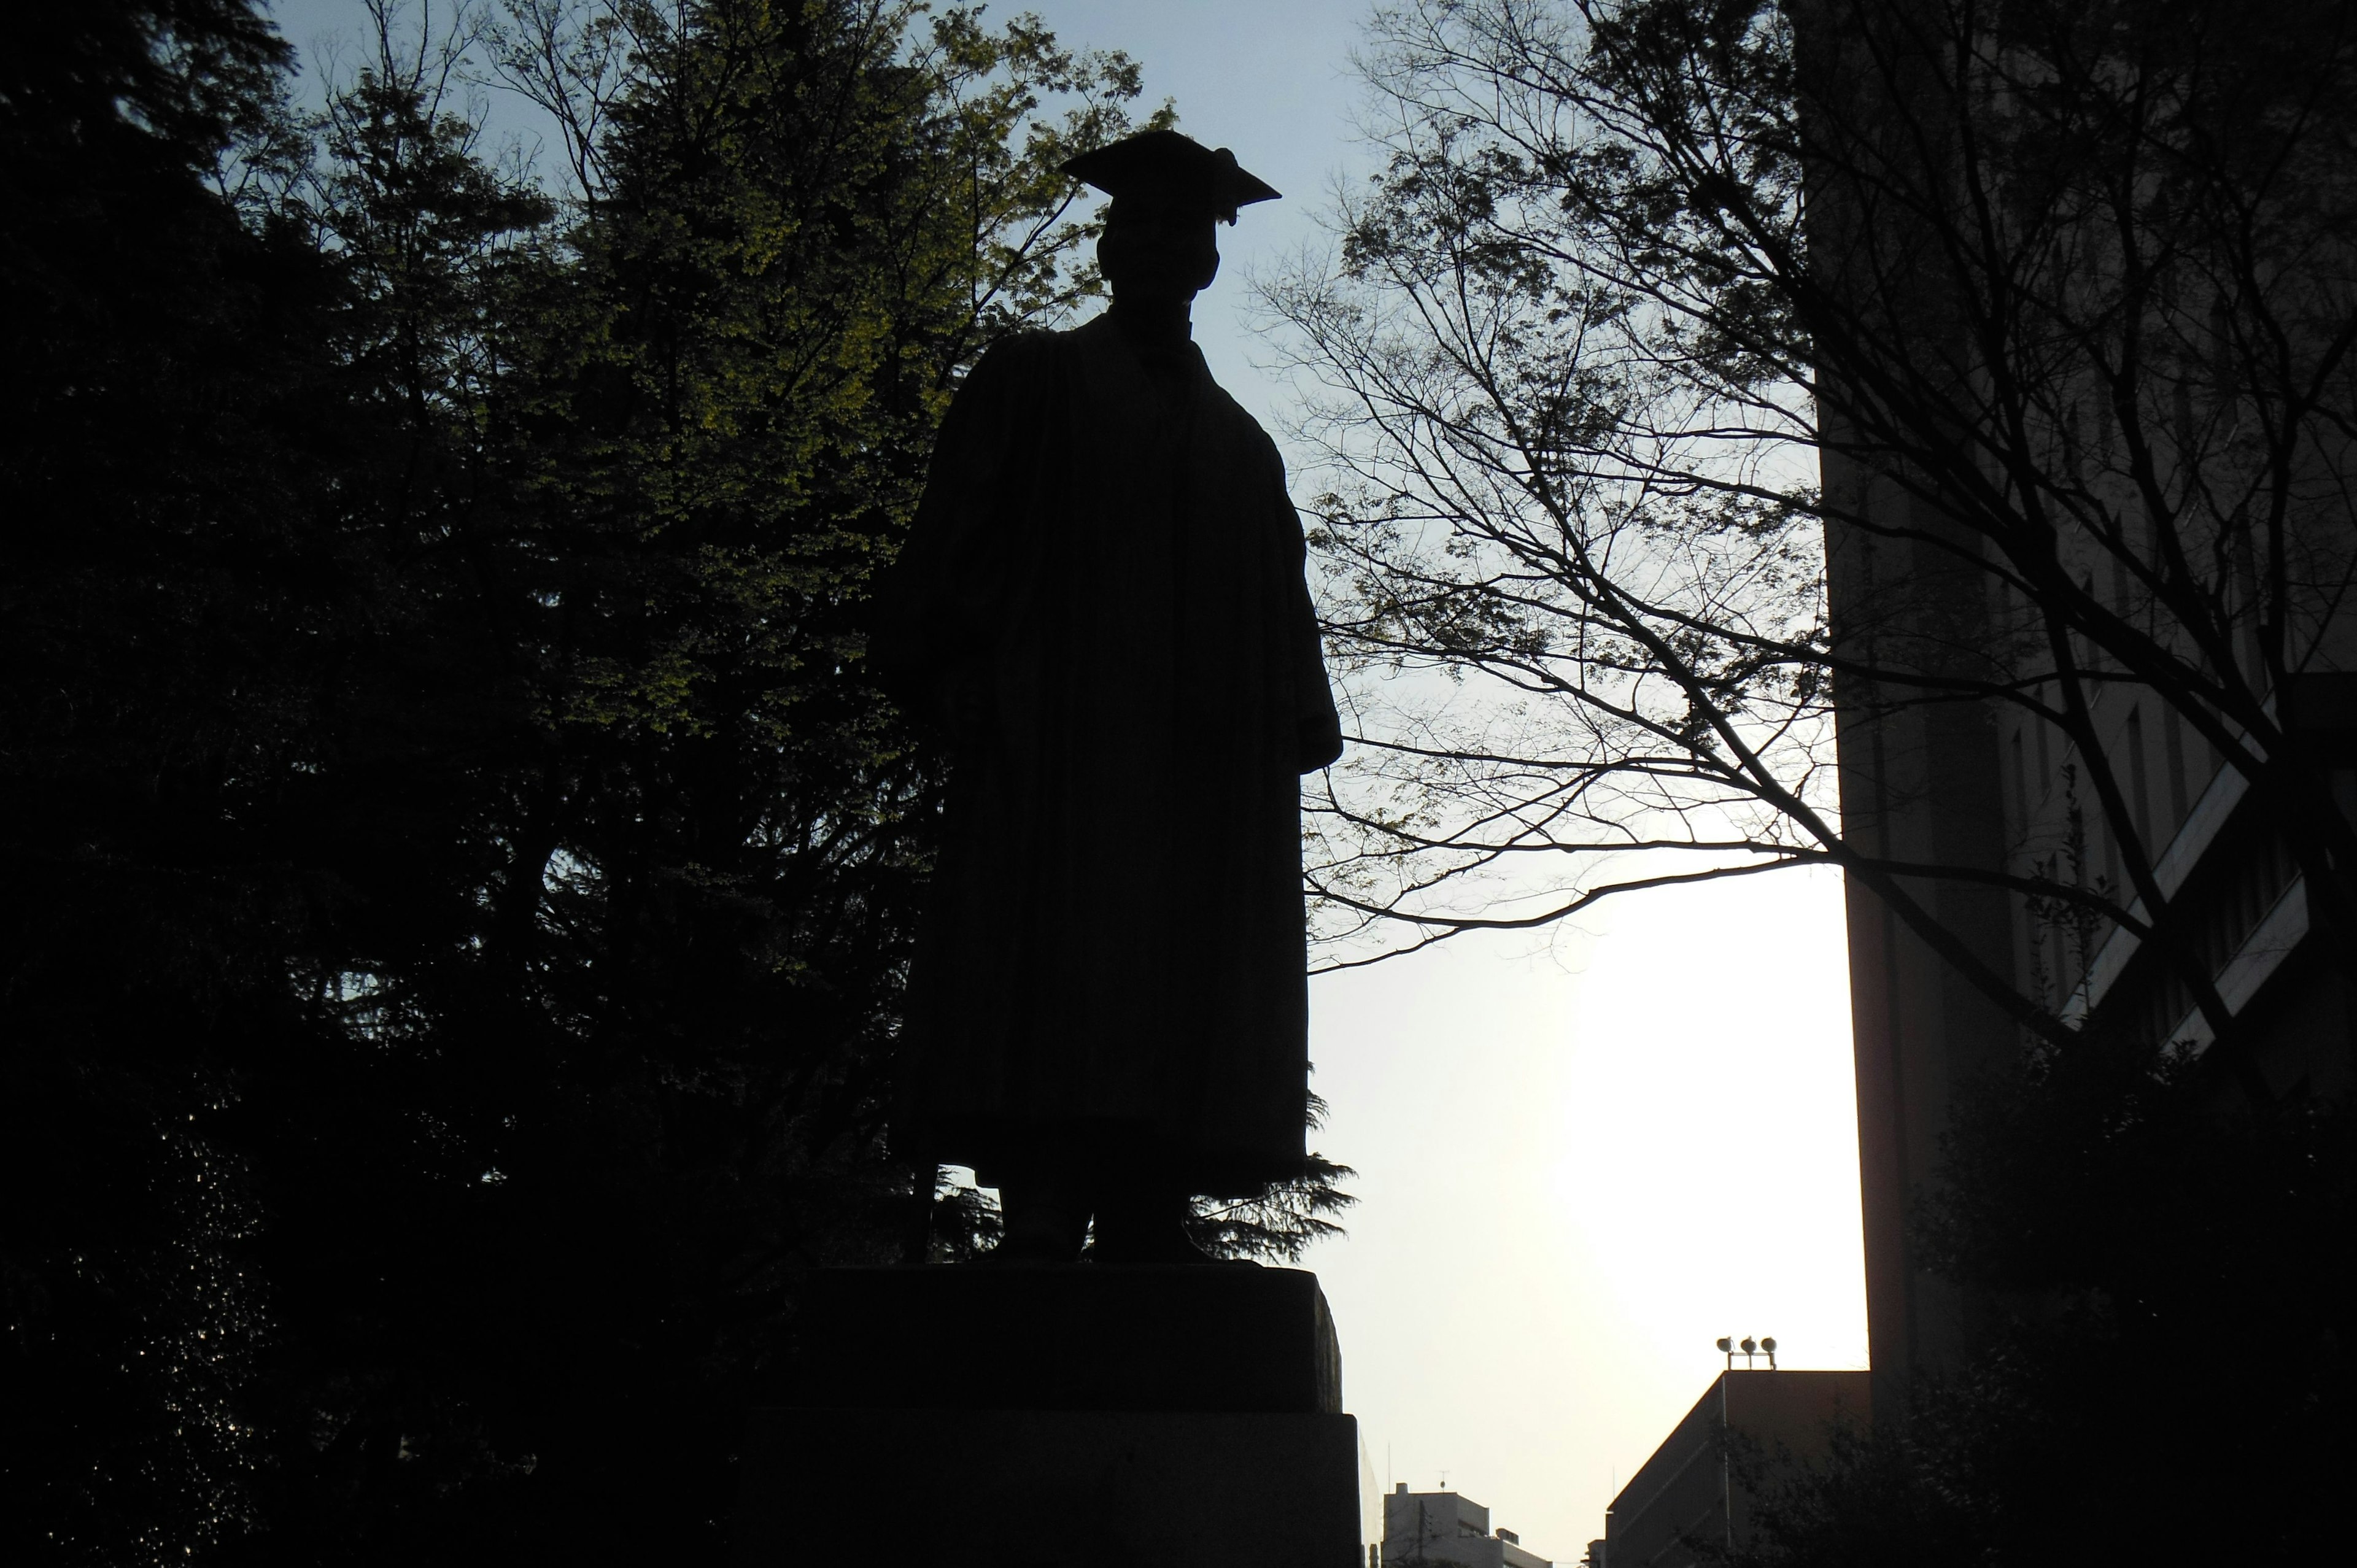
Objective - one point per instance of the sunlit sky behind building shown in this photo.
(1581, 1158)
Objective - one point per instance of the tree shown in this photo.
(1282, 1222)
(459, 875)
(1695, 374)
(2054, 299)
(155, 598)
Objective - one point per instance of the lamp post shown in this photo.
(1746, 1347)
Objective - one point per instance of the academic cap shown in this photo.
(1175, 168)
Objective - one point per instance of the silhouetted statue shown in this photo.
(1103, 606)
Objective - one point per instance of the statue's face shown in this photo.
(1153, 251)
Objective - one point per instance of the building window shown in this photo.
(2172, 744)
(2139, 796)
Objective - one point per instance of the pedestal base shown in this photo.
(1053, 1417)
(1051, 1490)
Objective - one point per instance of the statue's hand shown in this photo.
(1319, 742)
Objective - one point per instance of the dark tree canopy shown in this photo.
(459, 875)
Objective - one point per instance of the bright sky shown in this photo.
(1577, 1165)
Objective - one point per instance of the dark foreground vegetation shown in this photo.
(457, 875)
(2159, 1368)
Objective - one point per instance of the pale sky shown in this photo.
(1578, 1163)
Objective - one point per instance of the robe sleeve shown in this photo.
(924, 649)
(1317, 728)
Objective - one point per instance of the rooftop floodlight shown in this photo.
(1769, 1343)
(1724, 1344)
(1749, 1347)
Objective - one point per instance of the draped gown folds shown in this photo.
(1103, 605)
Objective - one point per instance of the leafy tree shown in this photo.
(156, 599)
(461, 876)
(1282, 1222)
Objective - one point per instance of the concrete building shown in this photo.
(1951, 777)
(1691, 1492)
(1447, 1528)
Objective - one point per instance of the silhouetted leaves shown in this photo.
(2159, 1367)
(459, 877)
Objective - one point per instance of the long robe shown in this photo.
(1103, 603)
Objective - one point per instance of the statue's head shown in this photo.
(1157, 250)
(1170, 195)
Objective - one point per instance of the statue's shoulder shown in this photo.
(1028, 343)
(1011, 365)
(1241, 429)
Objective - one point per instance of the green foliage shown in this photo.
(459, 875)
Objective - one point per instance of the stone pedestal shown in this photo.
(1153, 1418)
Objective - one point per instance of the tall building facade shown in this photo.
(2092, 612)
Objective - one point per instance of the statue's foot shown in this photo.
(1151, 1231)
(1172, 1250)
(1011, 1254)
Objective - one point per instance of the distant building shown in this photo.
(1689, 1493)
(1447, 1527)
